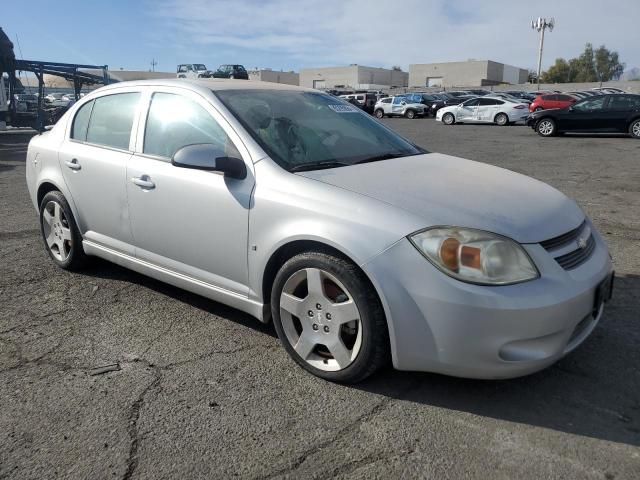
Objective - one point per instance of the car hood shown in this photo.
(446, 190)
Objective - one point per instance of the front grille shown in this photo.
(562, 240)
(577, 256)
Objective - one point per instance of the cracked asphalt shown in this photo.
(204, 391)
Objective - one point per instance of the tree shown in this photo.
(608, 66)
(559, 72)
(591, 66)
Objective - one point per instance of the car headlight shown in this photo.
(475, 256)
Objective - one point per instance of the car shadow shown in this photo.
(593, 392)
(100, 268)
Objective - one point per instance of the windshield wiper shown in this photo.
(386, 156)
(305, 167)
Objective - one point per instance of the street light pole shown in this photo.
(541, 24)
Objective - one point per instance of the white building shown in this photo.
(274, 76)
(354, 76)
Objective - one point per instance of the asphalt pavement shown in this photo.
(194, 389)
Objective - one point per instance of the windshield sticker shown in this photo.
(343, 108)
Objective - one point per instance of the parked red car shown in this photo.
(556, 100)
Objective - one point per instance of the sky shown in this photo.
(294, 34)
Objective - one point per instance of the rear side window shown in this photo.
(386, 100)
(488, 101)
(549, 98)
(112, 119)
(81, 122)
(175, 121)
(564, 98)
(623, 102)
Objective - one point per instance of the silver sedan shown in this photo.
(297, 207)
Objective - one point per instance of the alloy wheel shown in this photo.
(635, 130)
(448, 119)
(320, 319)
(56, 230)
(545, 127)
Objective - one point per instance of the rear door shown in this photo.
(487, 109)
(93, 160)
(618, 109)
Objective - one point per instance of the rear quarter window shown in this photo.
(81, 122)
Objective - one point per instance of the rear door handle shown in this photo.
(73, 164)
(144, 181)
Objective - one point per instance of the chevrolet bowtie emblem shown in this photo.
(582, 243)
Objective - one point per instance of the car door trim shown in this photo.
(218, 294)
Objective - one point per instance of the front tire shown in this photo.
(60, 234)
(379, 113)
(410, 114)
(546, 127)
(329, 318)
(501, 119)
(634, 128)
(448, 119)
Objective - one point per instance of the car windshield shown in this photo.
(303, 130)
(200, 66)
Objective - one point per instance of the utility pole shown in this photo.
(541, 24)
(153, 64)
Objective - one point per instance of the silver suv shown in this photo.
(193, 70)
(398, 107)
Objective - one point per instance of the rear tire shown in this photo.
(634, 128)
(546, 127)
(448, 119)
(379, 113)
(501, 119)
(317, 287)
(60, 234)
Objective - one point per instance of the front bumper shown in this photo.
(443, 325)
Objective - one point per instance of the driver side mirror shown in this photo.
(208, 157)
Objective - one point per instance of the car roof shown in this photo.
(215, 84)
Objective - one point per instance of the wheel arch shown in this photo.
(292, 248)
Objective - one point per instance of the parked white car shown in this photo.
(193, 70)
(398, 107)
(484, 110)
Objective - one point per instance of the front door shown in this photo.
(93, 160)
(191, 221)
(468, 111)
(585, 116)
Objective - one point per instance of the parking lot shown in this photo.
(204, 391)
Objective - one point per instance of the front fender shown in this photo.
(288, 208)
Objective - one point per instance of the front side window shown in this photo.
(398, 100)
(175, 121)
(471, 102)
(386, 100)
(303, 130)
(112, 119)
(590, 105)
(81, 122)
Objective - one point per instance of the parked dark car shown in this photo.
(616, 113)
(231, 71)
(427, 99)
(479, 92)
(521, 95)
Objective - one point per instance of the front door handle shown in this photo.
(73, 164)
(144, 181)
